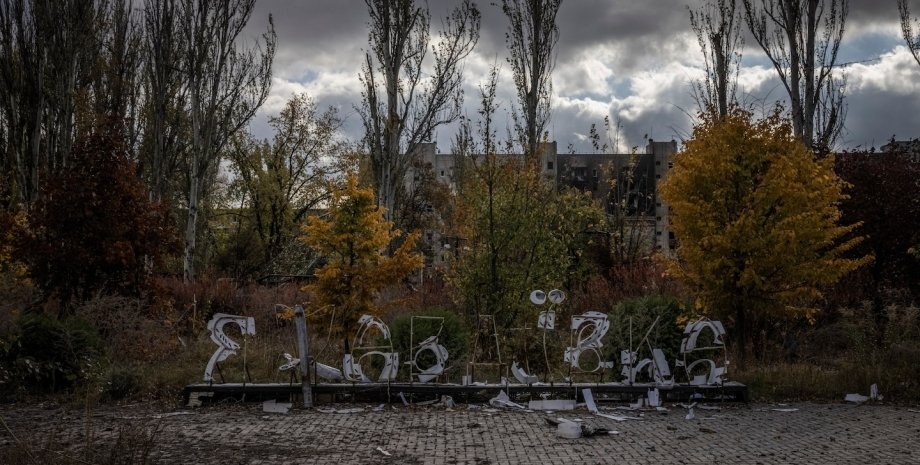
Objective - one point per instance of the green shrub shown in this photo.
(123, 382)
(666, 335)
(454, 336)
(47, 354)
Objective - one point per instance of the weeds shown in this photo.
(132, 444)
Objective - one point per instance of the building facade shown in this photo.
(625, 181)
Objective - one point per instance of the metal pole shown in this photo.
(304, 349)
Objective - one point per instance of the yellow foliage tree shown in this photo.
(756, 217)
(354, 237)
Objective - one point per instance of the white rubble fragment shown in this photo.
(589, 400)
(502, 400)
(272, 406)
(556, 404)
(856, 398)
(654, 398)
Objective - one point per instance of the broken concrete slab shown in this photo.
(589, 400)
(855, 398)
(553, 404)
(273, 406)
(502, 400)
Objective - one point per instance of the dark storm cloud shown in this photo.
(629, 58)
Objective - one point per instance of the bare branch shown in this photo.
(718, 31)
(401, 108)
(531, 39)
(907, 29)
(802, 39)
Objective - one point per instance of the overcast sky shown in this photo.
(632, 59)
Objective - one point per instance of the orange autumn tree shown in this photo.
(757, 220)
(353, 237)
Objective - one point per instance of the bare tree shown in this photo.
(801, 38)
(402, 108)
(531, 38)
(907, 29)
(718, 30)
(112, 84)
(22, 98)
(66, 67)
(165, 98)
(226, 84)
(283, 180)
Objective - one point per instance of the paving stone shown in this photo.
(243, 434)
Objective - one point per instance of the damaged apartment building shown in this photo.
(633, 194)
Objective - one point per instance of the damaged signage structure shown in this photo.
(372, 358)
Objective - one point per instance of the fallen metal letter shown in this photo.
(328, 372)
(522, 375)
(661, 370)
(502, 400)
(291, 362)
(589, 400)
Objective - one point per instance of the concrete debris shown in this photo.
(856, 398)
(572, 429)
(654, 398)
(559, 404)
(589, 400)
(522, 375)
(617, 417)
(568, 430)
(291, 362)
(502, 400)
(272, 406)
(873, 393)
(341, 411)
(327, 372)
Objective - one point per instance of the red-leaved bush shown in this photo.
(93, 230)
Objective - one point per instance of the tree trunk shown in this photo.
(191, 227)
(741, 331)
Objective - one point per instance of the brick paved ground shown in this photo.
(243, 434)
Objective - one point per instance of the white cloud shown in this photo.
(895, 72)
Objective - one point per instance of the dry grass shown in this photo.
(132, 444)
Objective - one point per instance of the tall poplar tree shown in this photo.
(531, 39)
(801, 38)
(403, 103)
(226, 85)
